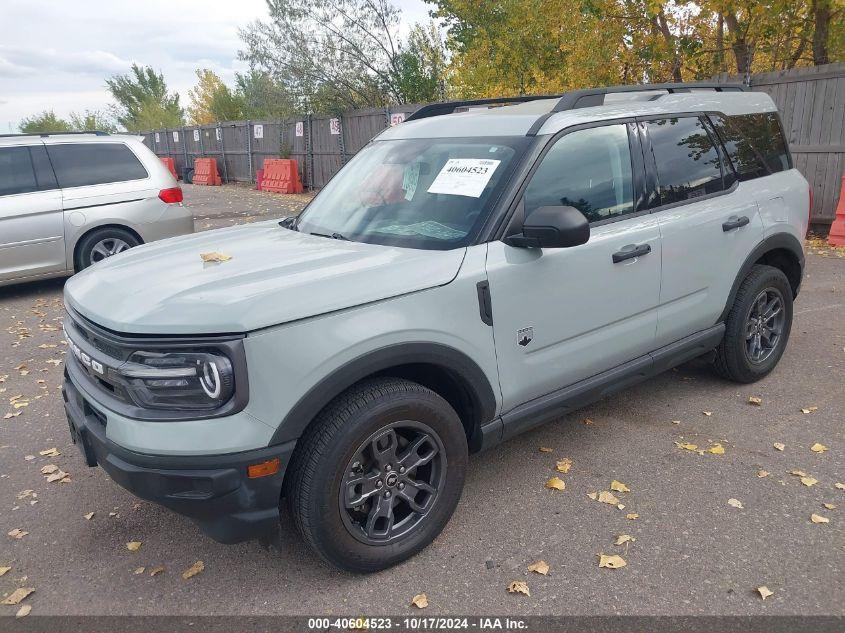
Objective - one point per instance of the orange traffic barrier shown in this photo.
(836, 237)
(171, 166)
(281, 175)
(205, 172)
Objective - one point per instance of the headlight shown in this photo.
(178, 380)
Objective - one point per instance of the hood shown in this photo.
(275, 275)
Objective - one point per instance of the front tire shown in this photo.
(378, 474)
(757, 328)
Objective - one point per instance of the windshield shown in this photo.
(418, 193)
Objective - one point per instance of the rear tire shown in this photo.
(757, 328)
(103, 243)
(378, 474)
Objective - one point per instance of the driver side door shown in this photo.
(561, 315)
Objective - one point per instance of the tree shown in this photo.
(263, 97)
(421, 66)
(141, 97)
(44, 122)
(92, 120)
(212, 100)
(333, 54)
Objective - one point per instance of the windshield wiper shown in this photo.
(334, 236)
(289, 223)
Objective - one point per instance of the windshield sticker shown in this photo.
(429, 228)
(410, 180)
(464, 177)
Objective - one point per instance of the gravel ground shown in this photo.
(693, 552)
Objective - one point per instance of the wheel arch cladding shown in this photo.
(446, 371)
(101, 227)
(782, 251)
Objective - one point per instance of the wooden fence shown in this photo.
(812, 107)
(811, 102)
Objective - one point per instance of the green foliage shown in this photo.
(421, 65)
(262, 97)
(212, 100)
(142, 98)
(46, 121)
(92, 120)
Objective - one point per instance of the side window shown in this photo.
(687, 162)
(587, 169)
(16, 172)
(43, 170)
(82, 164)
(754, 143)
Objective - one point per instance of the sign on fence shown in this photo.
(175, 136)
(396, 118)
(196, 136)
(158, 139)
(334, 126)
(258, 130)
(300, 129)
(217, 133)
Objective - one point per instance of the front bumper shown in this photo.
(212, 490)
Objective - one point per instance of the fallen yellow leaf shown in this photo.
(18, 533)
(755, 400)
(17, 595)
(797, 473)
(716, 449)
(687, 447)
(809, 481)
(764, 592)
(215, 257)
(624, 538)
(193, 570)
(50, 452)
(818, 448)
(632, 516)
(778, 446)
(48, 469)
(23, 611)
(736, 503)
(563, 465)
(587, 421)
(707, 413)
(817, 518)
(611, 562)
(608, 497)
(556, 483)
(139, 570)
(155, 571)
(519, 586)
(88, 516)
(762, 473)
(546, 449)
(618, 486)
(3, 570)
(420, 601)
(540, 567)
(829, 506)
(840, 486)
(809, 409)
(593, 495)
(133, 546)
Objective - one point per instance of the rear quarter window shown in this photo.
(16, 172)
(78, 165)
(754, 143)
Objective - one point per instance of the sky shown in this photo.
(56, 54)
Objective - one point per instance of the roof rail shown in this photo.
(590, 97)
(448, 107)
(46, 134)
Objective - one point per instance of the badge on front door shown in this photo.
(525, 336)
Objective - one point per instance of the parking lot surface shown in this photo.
(692, 548)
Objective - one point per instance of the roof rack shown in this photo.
(573, 99)
(46, 134)
(448, 107)
(590, 97)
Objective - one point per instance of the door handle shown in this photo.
(630, 252)
(734, 222)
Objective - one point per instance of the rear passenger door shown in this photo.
(31, 223)
(708, 223)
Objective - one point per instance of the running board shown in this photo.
(553, 405)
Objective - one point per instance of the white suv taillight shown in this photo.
(171, 196)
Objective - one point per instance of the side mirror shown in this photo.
(552, 227)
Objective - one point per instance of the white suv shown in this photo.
(465, 277)
(69, 200)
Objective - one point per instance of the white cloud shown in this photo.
(90, 40)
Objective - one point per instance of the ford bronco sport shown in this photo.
(469, 274)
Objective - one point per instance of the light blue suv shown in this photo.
(471, 273)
